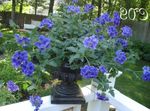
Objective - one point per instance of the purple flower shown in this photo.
(120, 57)
(112, 31)
(101, 37)
(46, 23)
(101, 97)
(88, 8)
(116, 19)
(146, 73)
(72, 8)
(12, 87)
(103, 69)
(90, 42)
(104, 18)
(126, 31)
(97, 30)
(89, 71)
(123, 42)
(22, 40)
(36, 101)
(43, 43)
(27, 68)
(1, 34)
(19, 58)
(74, 1)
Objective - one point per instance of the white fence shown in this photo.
(120, 102)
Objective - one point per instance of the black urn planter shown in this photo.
(67, 92)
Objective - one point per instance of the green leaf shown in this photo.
(74, 57)
(25, 86)
(31, 87)
(53, 63)
(111, 91)
(72, 49)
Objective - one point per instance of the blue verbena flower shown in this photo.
(101, 37)
(101, 97)
(74, 1)
(43, 43)
(112, 31)
(72, 8)
(97, 30)
(89, 71)
(91, 42)
(1, 34)
(22, 40)
(116, 18)
(126, 31)
(120, 57)
(36, 101)
(146, 73)
(88, 8)
(12, 87)
(19, 58)
(103, 69)
(46, 23)
(27, 68)
(104, 18)
(123, 42)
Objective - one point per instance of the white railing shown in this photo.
(120, 102)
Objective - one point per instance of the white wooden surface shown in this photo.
(120, 101)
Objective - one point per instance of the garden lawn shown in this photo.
(131, 86)
(136, 89)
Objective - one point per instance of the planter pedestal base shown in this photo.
(67, 94)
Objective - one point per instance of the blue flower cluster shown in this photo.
(112, 31)
(22, 40)
(46, 23)
(20, 60)
(91, 42)
(12, 87)
(101, 97)
(116, 19)
(123, 42)
(103, 69)
(27, 68)
(146, 73)
(88, 8)
(72, 8)
(43, 43)
(1, 34)
(120, 57)
(74, 1)
(101, 37)
(103, 19)
(36, 101)
(126, 31)
(89, 71)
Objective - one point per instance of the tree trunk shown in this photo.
(99, 7)
(21, 6)
(13, 10)
(128, 4)
(36, 6)
(110, 6)
(51, 5)
(91, 14)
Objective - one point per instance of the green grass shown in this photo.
(131, 86)
(136, 89)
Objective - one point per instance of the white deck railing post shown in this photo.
(96, 105)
